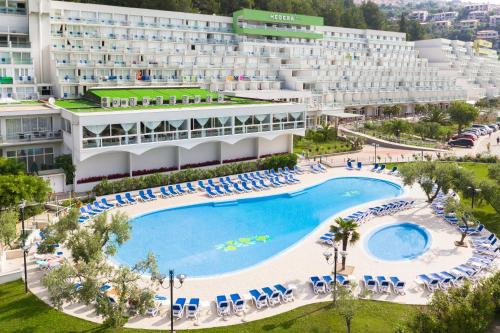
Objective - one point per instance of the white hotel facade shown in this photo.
(307, 71)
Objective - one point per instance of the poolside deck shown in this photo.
(296, 264)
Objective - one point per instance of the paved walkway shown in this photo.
(296, 264)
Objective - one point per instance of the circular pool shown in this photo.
(396, 242)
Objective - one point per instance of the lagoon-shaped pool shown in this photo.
(221, 237)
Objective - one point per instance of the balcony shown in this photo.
(32, 137)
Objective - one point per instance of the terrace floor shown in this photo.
(296, 264)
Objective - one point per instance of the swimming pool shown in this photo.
(396, 242)
(221, 237)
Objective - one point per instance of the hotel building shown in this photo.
(297, 70)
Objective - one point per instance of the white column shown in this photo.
(178, 158)
(257, 143)
(220, 152)
(290, 143)
(130, 165)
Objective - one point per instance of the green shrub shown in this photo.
(188, 175)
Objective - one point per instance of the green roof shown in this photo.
(152, 93)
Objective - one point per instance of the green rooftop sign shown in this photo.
(276, 17)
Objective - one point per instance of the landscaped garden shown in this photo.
(323, 141)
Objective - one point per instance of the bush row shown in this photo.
(130, 184)
(478, 158)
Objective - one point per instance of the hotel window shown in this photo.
(33, 159)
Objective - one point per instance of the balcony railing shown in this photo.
(209, 132)
(32, 136)
(109, 141)
(164, 136)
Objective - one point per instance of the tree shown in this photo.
(374, 18)
(18, 187)
(421, 129)
(392, 110)
(430, 173)
(8, 222)
(65, 162)
(103, 238)
(396, 127)
(434, 114)
(326, 132)
(465, 309)
(415, 31)
(462, 212)
(462, 114)
(347, 305)
(494, 172)
(346, 232)
(9, 166)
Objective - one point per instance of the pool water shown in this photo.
(221, 237)
(395, 242)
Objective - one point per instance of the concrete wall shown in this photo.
(103, 164)
(10, 276)
(243, 148)
(202, 153)
(155, 158)
(279, 145)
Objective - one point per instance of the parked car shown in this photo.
(478, 131)
(471, 136)
(483, 127)
(494, 127)
(463, 142)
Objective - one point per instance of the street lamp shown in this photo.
(22, 205)
(171, 285)
(375, 145)
(474, 191)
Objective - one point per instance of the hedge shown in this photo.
(131, 184)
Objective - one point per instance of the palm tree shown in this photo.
(346, 232)
(435, 115)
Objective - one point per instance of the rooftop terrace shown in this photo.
(196, 97)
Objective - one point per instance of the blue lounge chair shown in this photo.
(218, 190)
(244, 185)
(472, 231)
(431, 283)
(274, 173)
(382, 168)
(279, 181)
(164, 192)
(105, 202)
(261, 176)
(274, 183)
(318, 285)
(455, 278)
(190, 188)
(393, 170)
(98, 205)
(94, 210)
(201, 185)
(349, 165)
(150, 194)
(211, 182)
(343, 281)
(287, 170)
(238, 189)
(259, 299)
(143, 197)
(241, 178)
(254, 176)
(293, 179)
(178, 308)
(227, 189)
(256, 186)
(222, 181)
(172, 190)
(179, 189)
(286, 293)
(120, 200)
(321, 167)
(264, 185)
(383, 284)
(359, 166)
(282, 172)
(370, 283)
(326, 240)
(375, 167)
(229, 180)
(130, 199)
(211, 192)
(298, 170)
(83, 212)
(398, 286)
(268, 173)
(238, 303)
(328, 282)
(444, 281)
(273, 296)
(192, 308)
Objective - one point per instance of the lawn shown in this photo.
(26, 313)
(153, 93)
(302, 145)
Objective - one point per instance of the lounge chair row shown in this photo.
(190, 310)
(317, 168)
(96, 208)
(381, 284)
(250, 186)
(271, 296)
(323, 285)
